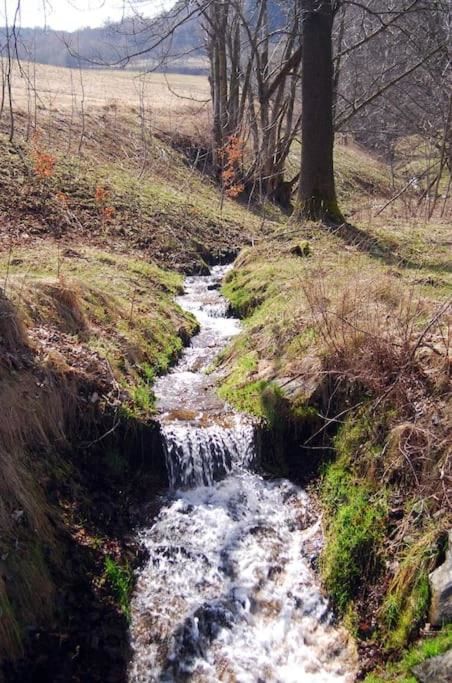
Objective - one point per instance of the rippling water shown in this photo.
(228, 593)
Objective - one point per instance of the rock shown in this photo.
(441, 590)
(435, 670)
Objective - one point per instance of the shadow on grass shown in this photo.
(381, 249)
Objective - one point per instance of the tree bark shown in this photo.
(317, 192)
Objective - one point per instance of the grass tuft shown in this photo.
(120, 580)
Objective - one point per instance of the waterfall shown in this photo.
(200, 456)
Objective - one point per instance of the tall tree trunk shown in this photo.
(317, 193)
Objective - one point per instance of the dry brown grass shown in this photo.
(64, 88)
(372, 330)
(395, 348)
(61, 301)
(168, 101)
(13, 335)
(34, 406)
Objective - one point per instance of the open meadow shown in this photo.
(41, 90)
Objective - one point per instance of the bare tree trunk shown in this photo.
(317, 192)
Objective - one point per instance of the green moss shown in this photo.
(246, 398)
(258, 397)
(301, 410)
(355, 517)
(241, 391)
(352, 435)
(143, 398)
(243, 300)
(355, 524)
(400, 672)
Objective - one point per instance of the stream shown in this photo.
(229, 592)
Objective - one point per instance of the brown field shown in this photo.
(52, 87)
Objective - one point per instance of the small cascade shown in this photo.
(200, 456)
(228, 592)
(217, 309)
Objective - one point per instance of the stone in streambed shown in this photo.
(435, 670)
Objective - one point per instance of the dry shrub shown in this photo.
(409, 454)
(64, 305)
(373, 332)
(13, 336)
(393, 352)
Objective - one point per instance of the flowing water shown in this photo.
(228, 593)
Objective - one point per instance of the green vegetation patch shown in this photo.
(354, 528)
(408, 596)
(355, 513)
(241, 391)
(119, 308)
(401, 671)
(120, 580)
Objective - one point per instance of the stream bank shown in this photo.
(78, 354)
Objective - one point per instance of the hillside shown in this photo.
(344, 358)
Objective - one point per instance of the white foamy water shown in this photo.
(228, 593)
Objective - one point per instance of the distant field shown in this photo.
(59, 88)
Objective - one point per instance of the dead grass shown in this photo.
(13, 335)
(36, 406)
(57, 88)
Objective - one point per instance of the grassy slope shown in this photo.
(359, 308)
(96, 329)
(124, 189)
(119, 308)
